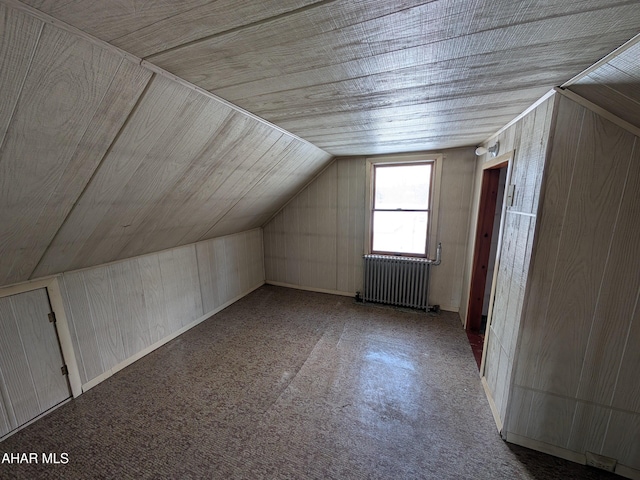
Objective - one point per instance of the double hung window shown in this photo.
(401, 210)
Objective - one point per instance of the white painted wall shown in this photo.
(317, 241)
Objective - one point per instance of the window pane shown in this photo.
(400, 232)
(405, 187)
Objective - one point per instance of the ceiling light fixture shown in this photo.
(492, 150)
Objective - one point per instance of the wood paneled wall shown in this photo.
(615, 84)
(103, 158)
(528, 137)
(576, 380)
(318, 239)
(121, 311)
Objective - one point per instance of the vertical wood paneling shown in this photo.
(305, 257)
(154, 300)
(117, 311)
(460, 189)
(105, 322)
(526, 156)
(589, 428)
(557, 178)
(503, 387)
(455, 200)
(615, 308)
(233, 251)
(257, 258)
(5, 425)
(318, 239)
(327, 222)
(30, 359)
(509, 294)
(302, 237)
(591, 211)
(553, 411)
(83, 332)
(529, 138)
(580, 325)
(493, 359)
(19, 383)
(623, 439)
(207, 266)
(228, 267)
(181, 286)
(41, 347)
(626, 393)
(130, 307)
(544, 140)
(351, 211)
(223, 271)
(292, 242)
(518, 414)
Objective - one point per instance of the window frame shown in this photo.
(432, 224)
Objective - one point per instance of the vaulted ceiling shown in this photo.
(127, 127)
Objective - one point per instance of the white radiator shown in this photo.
(402, 281)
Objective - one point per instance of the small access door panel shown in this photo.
(32, 378)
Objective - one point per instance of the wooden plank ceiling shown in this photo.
(104, 156)
(367, 76)
(102, 159)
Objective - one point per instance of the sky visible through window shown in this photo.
(401, 208)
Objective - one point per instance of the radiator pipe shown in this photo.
(438, 255)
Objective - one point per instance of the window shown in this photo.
(401, 209)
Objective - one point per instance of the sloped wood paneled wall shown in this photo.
(318, 239)
(615, 85)
(101, 159)
(576, 380)
(121, 311)
(528, 137)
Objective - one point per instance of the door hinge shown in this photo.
(511, 192)
(52, 317)
(65, 370)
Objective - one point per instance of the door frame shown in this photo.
(62, 325)
(483, 237)
(497, 163)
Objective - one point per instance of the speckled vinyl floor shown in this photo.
(291, 384)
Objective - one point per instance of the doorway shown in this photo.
(33, 375)
(491, 207)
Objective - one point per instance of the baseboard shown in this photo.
(101, 378)
(492, 405)
(627, 472)
(546, 448)
(567, 454)
(310, 289)
(449, 308)
(446, 308)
